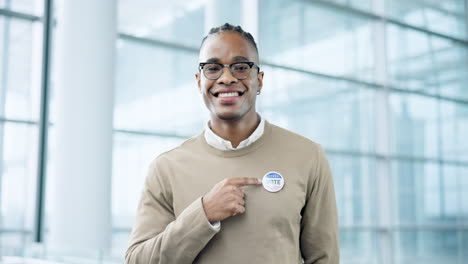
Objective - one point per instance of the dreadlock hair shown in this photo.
(232, 28)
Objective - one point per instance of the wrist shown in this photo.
(204, 205)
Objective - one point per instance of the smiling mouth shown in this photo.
(229, 94)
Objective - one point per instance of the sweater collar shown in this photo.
(219, 143)
(237, 152)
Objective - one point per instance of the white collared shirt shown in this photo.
(218, 142)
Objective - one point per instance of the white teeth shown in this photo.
(228, 94)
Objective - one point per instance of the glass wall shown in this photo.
(381, 84)
(20, 70)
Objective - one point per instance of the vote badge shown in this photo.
(273, 181)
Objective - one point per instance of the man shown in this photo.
(244, 190)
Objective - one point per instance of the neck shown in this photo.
(234, 131)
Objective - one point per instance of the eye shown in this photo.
(240, 67)
(212, 68)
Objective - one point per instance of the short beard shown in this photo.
(231, 118)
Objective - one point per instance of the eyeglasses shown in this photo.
(213, 71)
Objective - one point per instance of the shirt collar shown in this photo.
(218, 142)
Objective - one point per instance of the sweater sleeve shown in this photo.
(160, 237)
(319, 224)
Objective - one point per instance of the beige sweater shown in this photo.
(298, 223)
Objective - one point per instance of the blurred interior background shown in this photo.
(381, 84)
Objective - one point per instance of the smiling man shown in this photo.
(244, 190)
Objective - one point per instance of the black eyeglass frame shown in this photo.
(250, 63)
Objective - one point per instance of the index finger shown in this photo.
(245, 181)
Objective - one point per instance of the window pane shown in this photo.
(35, 7)
(421, 62)
(454, 128)
(415, 125)
(355, 181)
(21, 69)
(428, 193)
(360, 4)
(4, 54)
(433, 247)
(358, 247)
(418, 192)
(161, 82)
(337, 114)
(455, 186)
(3, 67)
(18, 175)
(464, 246)
(120, 241)
(13, 243)
(446, 17)
(180, 22)
(463, 191)
(339, 45)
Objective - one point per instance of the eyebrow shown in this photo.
(240, 58)
(236, 59)
(213, 60)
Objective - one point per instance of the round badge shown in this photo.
(273, 181)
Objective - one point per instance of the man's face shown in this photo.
(228, 98)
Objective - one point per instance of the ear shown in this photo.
(197, 76)
(260, 80)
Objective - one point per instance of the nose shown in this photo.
(226, 77)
